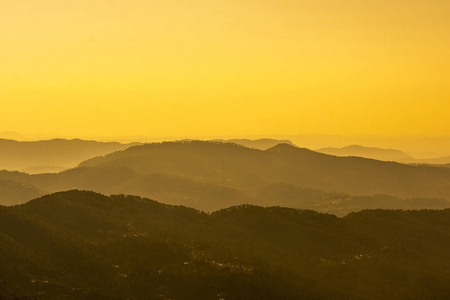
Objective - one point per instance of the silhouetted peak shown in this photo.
(261, 144)
(183, 145)
(291, 149)
(283, 147)
(360, 147)
(354, 147)
(79, 195)
(367, 152)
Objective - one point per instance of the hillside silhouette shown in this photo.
(14, 192)
(209, 176)
(240, 167)
(383, 154)
(80, 244)
(368, 152)
(51, 155)
(261, 144)
(444, 161)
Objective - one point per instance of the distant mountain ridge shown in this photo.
(383, 154)
(211, 175)
(52, 155)
(367, 152)
(261, 144)
(237, 166)
(432, 161)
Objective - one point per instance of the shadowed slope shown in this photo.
(82, 244)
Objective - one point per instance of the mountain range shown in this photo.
(383, 154)
(211, 175)
(367, 152)
(51, 156)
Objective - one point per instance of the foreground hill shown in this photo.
(83, 245)
(51, 155)
(210, 176)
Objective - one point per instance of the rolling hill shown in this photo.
(210, 176)
(83, 245)
(261, 144)
(368, 152)
(239, 167)
(444, 161)
(383, 154)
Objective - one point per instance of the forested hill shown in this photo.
(239, 167)
(262, 144)
(83, 245)
(209, 176)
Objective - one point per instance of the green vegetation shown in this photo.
(83, 245)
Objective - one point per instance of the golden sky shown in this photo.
(236, 67)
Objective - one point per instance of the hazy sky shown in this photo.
(210, 67)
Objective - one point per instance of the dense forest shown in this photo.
(84, 245)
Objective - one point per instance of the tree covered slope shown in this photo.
(82, 245)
